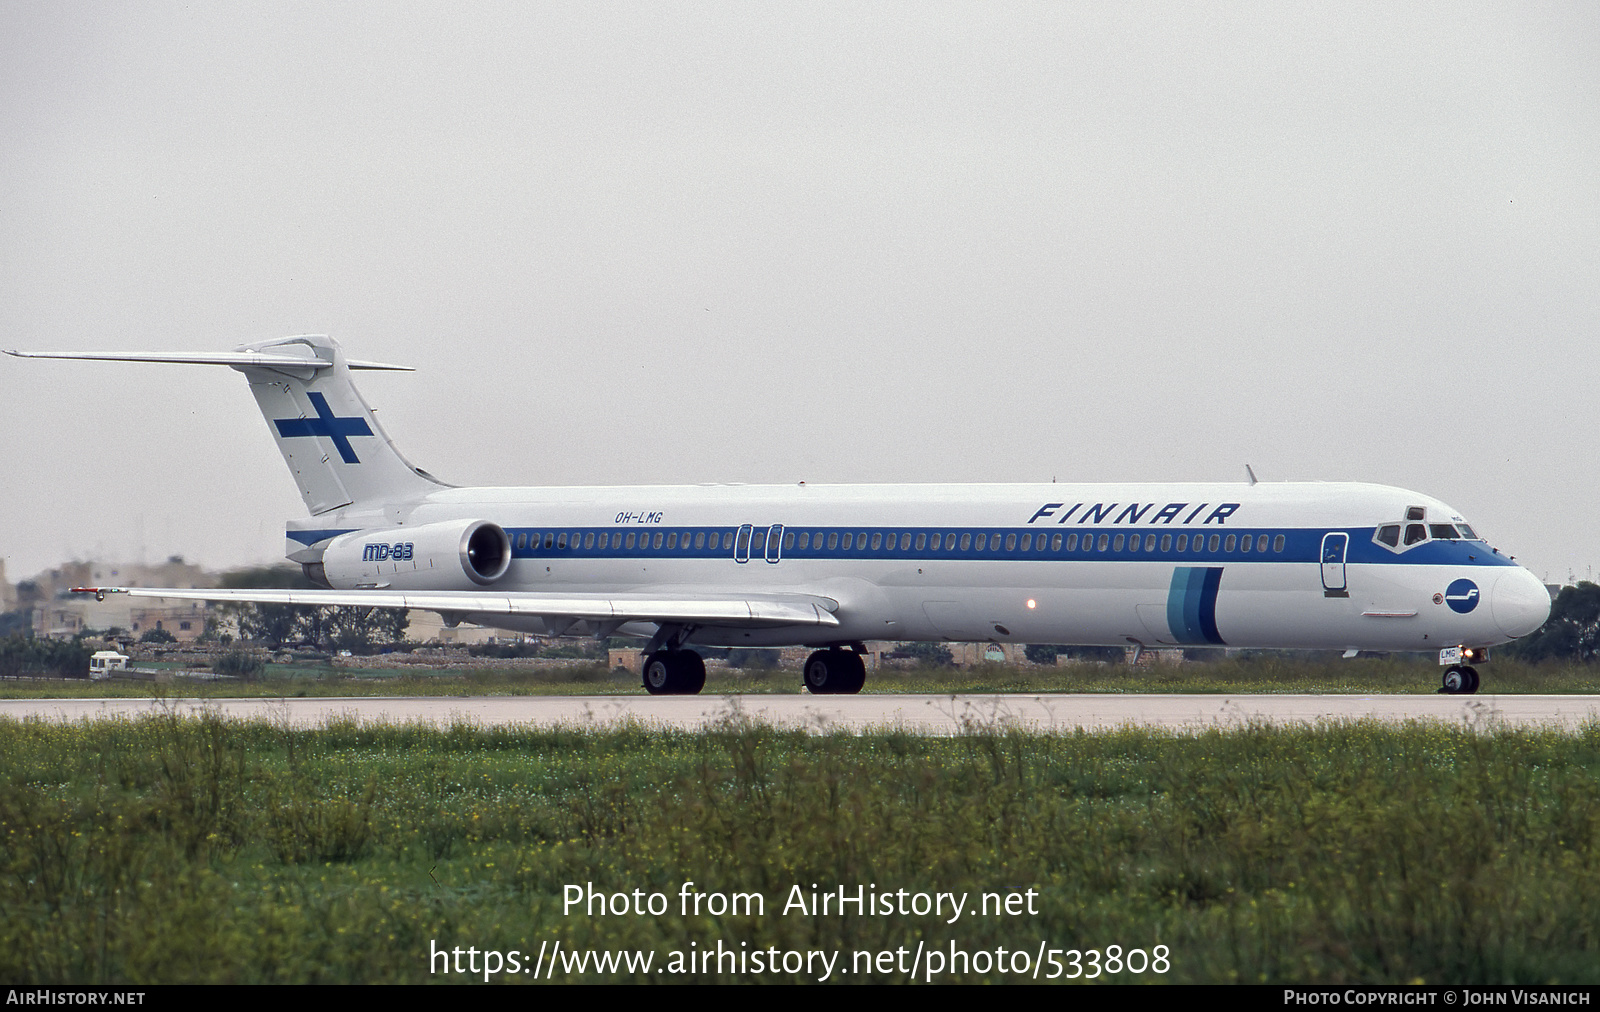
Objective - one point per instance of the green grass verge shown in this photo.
(199, 849)
(1258, 674)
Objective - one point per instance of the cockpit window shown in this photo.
(1389, 534)
(1415, 513)
(1445, 532)
(1466, 532)
(1416, 533)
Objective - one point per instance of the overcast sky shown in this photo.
(649, 243)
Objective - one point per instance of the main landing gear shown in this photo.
(831, 672)
(674, 673)
(1460, 680)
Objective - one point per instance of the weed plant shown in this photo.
(201, 849)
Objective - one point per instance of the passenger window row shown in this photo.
(669, 540)
(920, 542)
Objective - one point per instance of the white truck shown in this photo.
(103, 662)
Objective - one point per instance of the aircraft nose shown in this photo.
(1520, 603)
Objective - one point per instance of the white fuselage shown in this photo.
(1280, 565)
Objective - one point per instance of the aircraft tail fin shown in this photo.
(328, 435)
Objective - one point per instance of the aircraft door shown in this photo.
(775, 543)
(741, 544)
(1333, 549)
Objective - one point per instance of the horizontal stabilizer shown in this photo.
(329, 436)
(237, 359)
(750, 609)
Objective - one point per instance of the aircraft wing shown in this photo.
(746, 609)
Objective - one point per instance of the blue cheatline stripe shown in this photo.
(1192, 604)
(312, 537)
(1300, 545)
(918, 543)
(1208, 605)
(1184, 628)
(1194, 589)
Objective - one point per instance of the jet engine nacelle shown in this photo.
(450, 555)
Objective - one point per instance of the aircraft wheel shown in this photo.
(1455, 681)
(691, 671)
(855, 675)
(660, 674)
(1472, 680)
(823, 674)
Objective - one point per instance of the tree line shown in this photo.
(356, 629)
(1572, 633)
(26, 657)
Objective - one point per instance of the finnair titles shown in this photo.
(1134, 512)
(1319, 565)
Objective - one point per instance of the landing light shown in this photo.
(1032, 604)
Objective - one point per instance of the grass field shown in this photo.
(170, 849)
(1266, 673)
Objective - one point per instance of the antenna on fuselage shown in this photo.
(1251, 474)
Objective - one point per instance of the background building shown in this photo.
(60, 614)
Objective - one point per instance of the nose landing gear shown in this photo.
(1460, 680)
(1460, 677)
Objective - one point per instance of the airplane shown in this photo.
(1351, 567)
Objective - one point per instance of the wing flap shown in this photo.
(750, 609)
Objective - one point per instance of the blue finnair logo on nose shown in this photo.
(1461, 596)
